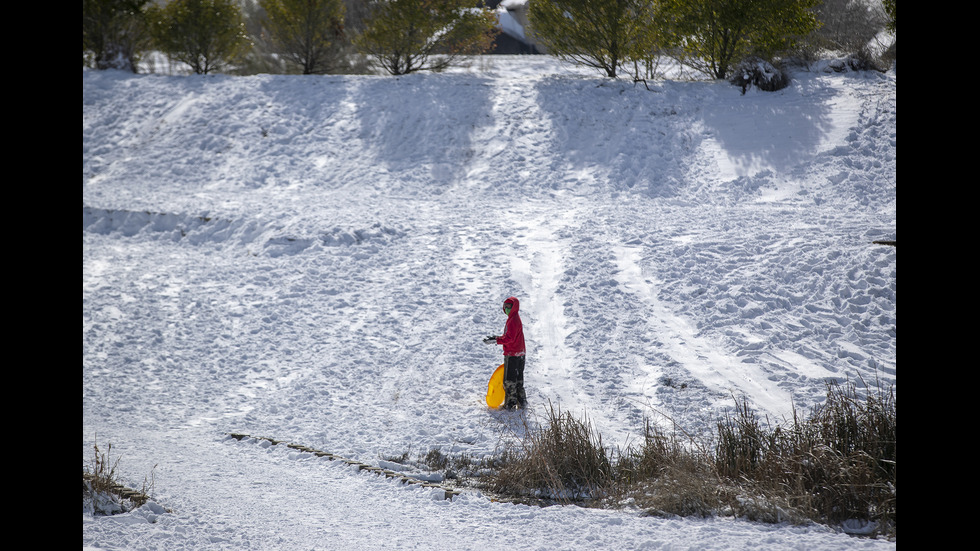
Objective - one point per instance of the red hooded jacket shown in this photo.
(513, 337)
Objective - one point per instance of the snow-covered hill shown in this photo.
(316, 258)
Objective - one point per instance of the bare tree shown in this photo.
(404, 36)
(603, 35)
(207, 35)
(848, 25)
(306, 33)
(113, 33)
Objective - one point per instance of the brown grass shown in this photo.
(838, 464)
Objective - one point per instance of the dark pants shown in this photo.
(514, 382)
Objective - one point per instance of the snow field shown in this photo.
(316, 260)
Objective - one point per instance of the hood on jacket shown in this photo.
(515, 302)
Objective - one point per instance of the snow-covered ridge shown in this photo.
(387, 469)
(197, 229)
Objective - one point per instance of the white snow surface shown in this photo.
(315, 259)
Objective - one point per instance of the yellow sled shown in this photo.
(495, 388)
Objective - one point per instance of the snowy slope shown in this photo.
(315, 259)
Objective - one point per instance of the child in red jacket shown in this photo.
(513, 343)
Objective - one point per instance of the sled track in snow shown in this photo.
(387, 473)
